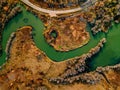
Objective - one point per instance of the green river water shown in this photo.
(109, 55)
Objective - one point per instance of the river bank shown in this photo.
(8, 11)
(29, 68)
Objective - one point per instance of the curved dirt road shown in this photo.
(50, 12)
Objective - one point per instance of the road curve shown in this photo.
(52, 13)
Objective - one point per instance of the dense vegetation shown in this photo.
(102, 14)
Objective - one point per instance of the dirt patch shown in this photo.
(67, 34)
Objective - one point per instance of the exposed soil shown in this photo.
(69, 33)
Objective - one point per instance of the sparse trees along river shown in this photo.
(8, 11)
(103, 14)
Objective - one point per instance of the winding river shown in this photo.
(109, 55)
